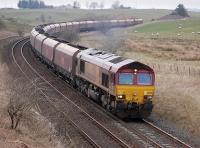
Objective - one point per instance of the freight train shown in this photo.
(122, 86)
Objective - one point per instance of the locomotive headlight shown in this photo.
(121, 96)
(148, 97)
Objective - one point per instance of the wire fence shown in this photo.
(190, 71)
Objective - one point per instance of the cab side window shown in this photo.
(82, 66)
(105, 80)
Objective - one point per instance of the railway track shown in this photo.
(174, 139)
(154, 136)
(108, 137)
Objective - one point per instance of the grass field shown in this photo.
(25, 19)
(187, 28)
(33, 17)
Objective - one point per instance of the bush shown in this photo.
(2, 25)
(180, 10)
(20, 32)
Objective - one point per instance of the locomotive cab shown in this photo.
(135, 88)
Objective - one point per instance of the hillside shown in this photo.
(33, 17)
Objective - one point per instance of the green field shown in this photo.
(188, 28)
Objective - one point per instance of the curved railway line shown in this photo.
(97, 133)
(108, 136)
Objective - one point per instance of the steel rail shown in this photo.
(175, 139)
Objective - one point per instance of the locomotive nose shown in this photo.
(133, 94)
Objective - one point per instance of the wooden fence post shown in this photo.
(189, 71)
(199, 72)
(177, 69)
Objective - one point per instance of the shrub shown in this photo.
(180, 10)
(20, 32)
(2, 25)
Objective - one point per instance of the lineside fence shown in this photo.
(190, 71)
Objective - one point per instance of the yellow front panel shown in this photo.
(134, 94)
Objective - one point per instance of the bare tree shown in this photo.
(94, 5)
(76, 5)
(22, 97)
(87, 4)
(116, 5)
(20, 32)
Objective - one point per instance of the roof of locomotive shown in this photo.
(108, 61)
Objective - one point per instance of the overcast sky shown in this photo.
(162, 4)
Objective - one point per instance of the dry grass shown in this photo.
(34, 131)
(167, 49)
(4, 34)
(177, 99)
